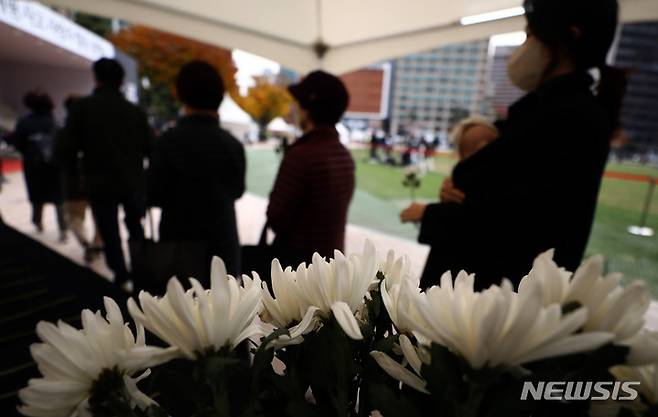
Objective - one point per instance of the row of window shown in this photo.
(455, 69)
(464, 79)
(433, 122)
(439, 83)
(434, 54)
(415, 93)
(435, 110)
(445, 59)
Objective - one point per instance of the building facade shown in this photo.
(434, 89)
(503, 92)
(369, 90)
(637, 51)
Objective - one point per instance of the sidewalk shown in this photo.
(250, 209)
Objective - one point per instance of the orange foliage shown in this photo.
(160, 55)
(265, 101)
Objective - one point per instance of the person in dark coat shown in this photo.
(114, 138)
(198, 170)
(313, 189)
(75, 193)
(535, 187)
(34, 138)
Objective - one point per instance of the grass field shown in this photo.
(380, 196)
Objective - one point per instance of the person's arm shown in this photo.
(59, 150)
(148, 136)
(18, 137)
(239, 165)
(441, 221)
(286, 194)
(157, 175)
(69, 141)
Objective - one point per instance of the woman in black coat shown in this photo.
(34, 138)
(536, 186)
(198, 171)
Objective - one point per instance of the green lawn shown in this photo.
(380, 196)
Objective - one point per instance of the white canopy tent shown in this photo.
(336, 35)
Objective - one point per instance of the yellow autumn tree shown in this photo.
(264, 102)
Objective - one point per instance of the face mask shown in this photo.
(527, 65)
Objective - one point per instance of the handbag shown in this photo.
(154, 262)
(258, 258)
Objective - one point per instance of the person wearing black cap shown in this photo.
(313, 189)
(198, 171)
(534, 188)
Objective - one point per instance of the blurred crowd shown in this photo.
(504, 203)
(106, 157)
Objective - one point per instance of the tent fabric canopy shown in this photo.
(336, 35)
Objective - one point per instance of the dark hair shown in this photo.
(108, 72)
(586, 29)
(38, 102)
(199, 85)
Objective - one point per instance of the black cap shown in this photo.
(323, 95)
(551, 21)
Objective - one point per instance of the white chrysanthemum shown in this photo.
(197, 320)
(395, 270)
(336, 287)
(397, 290)
(285, 307)
(499, 327)
(646, 375)
(70, 360)
(611, 307)
(400, 371)
(553, 280)
(643, 348)
(401, 297)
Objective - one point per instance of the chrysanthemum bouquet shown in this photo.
(356, 336)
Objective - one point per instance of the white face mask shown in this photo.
(527, 65)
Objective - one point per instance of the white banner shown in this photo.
(45, 24)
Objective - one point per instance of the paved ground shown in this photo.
(250, 209)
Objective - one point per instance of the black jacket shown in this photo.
(34, 137)
(533, 189)
(197, 172)
(114, 137)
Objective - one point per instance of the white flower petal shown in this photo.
(410, 354)
(397, 371)
(345, 318)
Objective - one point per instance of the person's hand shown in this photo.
(413, 214)
(450, 193)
